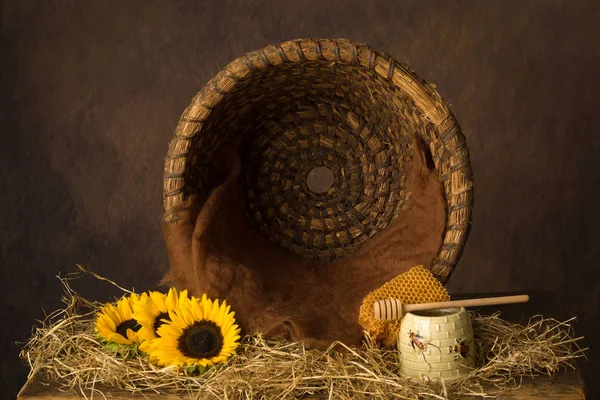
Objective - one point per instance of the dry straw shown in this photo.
(66, 349)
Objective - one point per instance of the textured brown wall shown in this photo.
(92, 90)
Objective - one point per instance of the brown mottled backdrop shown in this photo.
(92, 90)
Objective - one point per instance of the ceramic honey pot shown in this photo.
(436, 344)
(436, 339)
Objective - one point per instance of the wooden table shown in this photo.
(565, 385)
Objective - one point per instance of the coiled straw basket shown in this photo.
(335, 112)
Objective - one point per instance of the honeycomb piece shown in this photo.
(417, 285)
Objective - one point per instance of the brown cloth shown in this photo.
(213, 249)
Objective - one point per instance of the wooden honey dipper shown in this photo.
(394, 309)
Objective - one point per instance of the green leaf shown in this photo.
(191, 369)
(112, 346)
(195, 369)
(127, 351)
(202, 369)
(134, 350)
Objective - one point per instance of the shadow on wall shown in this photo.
(56, 213)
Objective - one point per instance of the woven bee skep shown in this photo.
(330, 104)
(305, 175)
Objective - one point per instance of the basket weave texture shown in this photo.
(307, 106)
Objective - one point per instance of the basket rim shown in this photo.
(448, 148)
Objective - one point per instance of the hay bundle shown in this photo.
(66, 349)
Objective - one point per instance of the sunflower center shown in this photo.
(158, 321)
(128, 324)
(201, 340)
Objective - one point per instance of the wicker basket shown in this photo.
(326, 132)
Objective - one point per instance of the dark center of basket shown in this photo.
(128, 324)
(326, 150)
(320, 179)
(201, 340)
(158, 321)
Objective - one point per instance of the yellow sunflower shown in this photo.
(152, 311)
(116, 324)
(201, 333)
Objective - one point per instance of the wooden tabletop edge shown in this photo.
(566, 385)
